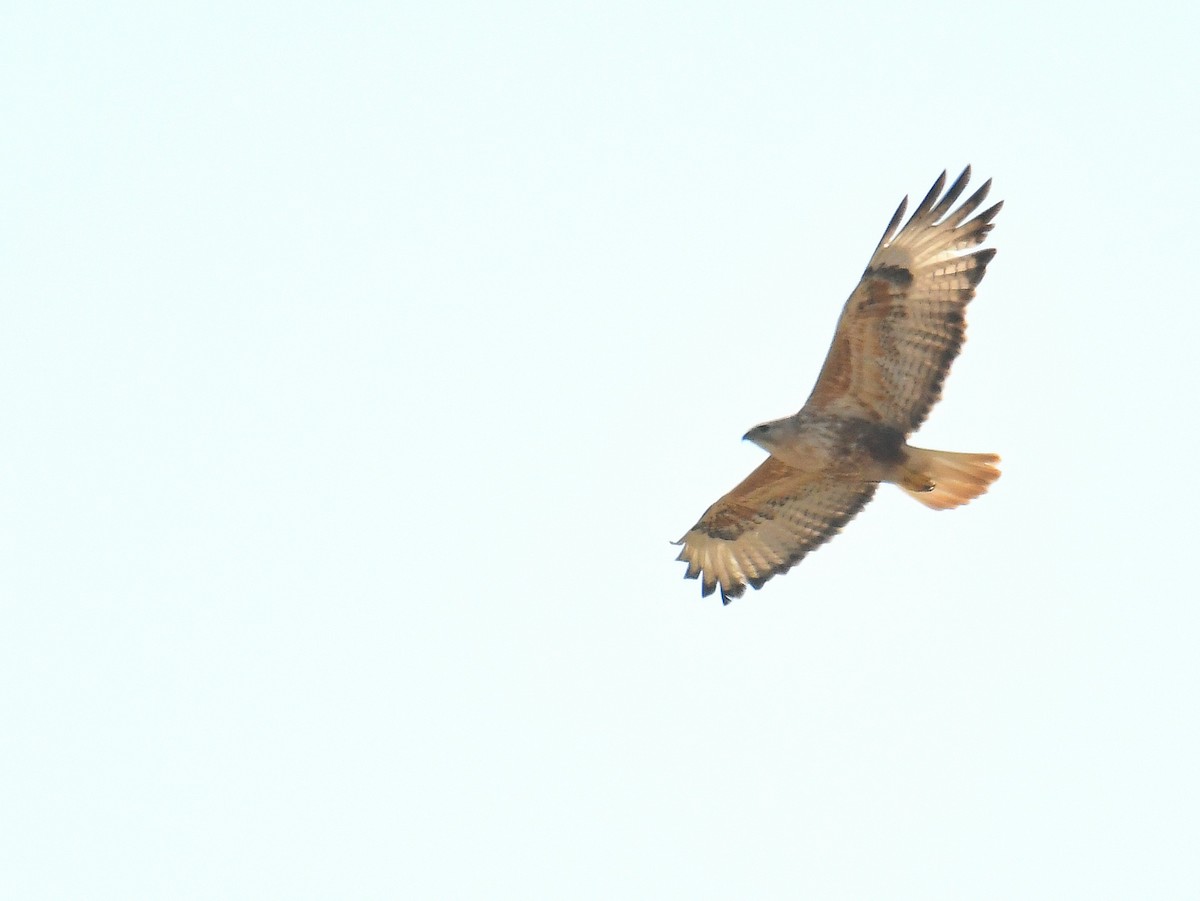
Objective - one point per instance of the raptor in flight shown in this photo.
(898, 334)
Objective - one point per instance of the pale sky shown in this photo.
(359, 362)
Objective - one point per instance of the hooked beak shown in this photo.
(757, 435)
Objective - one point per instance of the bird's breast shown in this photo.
(849, 447)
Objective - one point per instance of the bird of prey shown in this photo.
(897, 336)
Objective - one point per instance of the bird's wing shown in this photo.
(904, 325)
(766, 524)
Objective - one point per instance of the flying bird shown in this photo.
(897, 336)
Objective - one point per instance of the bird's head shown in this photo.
(764, 435)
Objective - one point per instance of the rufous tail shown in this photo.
(943, 479)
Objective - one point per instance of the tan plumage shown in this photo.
(898, 333)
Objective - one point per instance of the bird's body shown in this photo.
(897, 336)
(814, 441)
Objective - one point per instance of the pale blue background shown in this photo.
(358, 362)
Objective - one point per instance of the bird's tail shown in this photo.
(943, 479)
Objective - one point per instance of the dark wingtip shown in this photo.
(982, 258)
(929, 200)
(735, 592)
(897, 217)
(952, 194)
(990, 213)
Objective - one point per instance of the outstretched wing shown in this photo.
(765, 526)
(903, 325)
